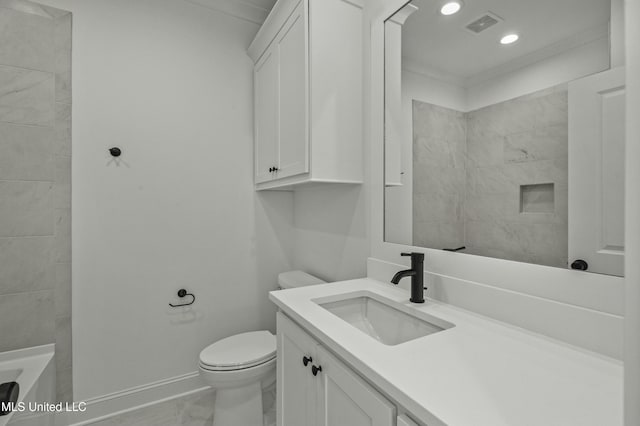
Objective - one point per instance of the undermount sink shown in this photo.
(391, 323)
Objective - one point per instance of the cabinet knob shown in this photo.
(270, 169)
(306, 360)
(315, 370)
(275, 169)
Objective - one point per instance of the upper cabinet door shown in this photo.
(596, 171)
(345, 399)
(291, 45)
(266, 116)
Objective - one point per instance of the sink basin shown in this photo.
(389, 322)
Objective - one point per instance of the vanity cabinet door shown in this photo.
(296, 386)
(344, 399)
(266, 116)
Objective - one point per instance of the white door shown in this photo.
(295, 384)
(266, 116)
(344, 399)
(596, 171)
(294, 146)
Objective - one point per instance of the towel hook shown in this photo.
(183, 293)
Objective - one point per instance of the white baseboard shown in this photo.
(110, 405)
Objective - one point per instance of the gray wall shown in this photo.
(494, 198)
(35, 181)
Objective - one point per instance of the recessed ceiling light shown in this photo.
(509, 39)
(450, 8)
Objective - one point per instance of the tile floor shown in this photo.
(191, 410)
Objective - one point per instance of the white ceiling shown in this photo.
(442, 45)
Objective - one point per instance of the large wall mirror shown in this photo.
(504, 130)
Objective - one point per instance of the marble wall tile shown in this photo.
(438, 235)
(26, 208)
(62, 297)
(485, 147)
(430, 152)
(26, 96)
(518, 115)
(35, 181)
(27, 320)
(438, 122)
(61, 195)
(485, 207)
(63, 343)
(62, 130)
(540, 144)
(26, 264)
(507, 178)
(64, 384)
(25, 152)
(521, 242)
(31, 8)
(438, 207)
(438, 180)
(63, 235)
(439, 136)
(62, 173)
(27, 40)
(523, 141)
(439, 156)
(62, 41)
(552, 109)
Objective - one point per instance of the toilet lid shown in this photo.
(240, 351)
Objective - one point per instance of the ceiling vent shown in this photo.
(482, 23)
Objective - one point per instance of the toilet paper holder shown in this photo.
(181, 294)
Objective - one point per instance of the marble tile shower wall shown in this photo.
(508, 145)
(35, 181)
(439, 157)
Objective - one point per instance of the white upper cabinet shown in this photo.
(308, 94)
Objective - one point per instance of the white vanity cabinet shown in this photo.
(308, 94)
(325, 392)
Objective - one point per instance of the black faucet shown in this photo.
(417, 276)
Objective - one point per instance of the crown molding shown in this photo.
(237, 8)
(588, 36)
(558, 48)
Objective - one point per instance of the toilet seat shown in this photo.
(239, 352)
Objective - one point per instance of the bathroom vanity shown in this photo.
(359, 350)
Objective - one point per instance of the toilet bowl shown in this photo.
(239, 367)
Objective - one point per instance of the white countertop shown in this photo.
(479, 373)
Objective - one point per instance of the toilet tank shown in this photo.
(293, 279)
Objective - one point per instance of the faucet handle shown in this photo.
(414, 255)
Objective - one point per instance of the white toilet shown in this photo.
(239, 367)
